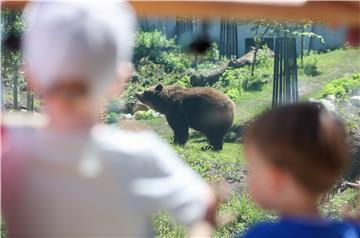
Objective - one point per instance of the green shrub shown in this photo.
(233, 93)
(256, 82)
(346, 200)
(166, 227)
(245, 212)
(184, 81)
(310, 67)
(110, 118)
(231, 78)
(175, 61)
(151, 45)
(342, 86)
(146, 115)
(263, 58)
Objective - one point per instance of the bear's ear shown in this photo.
(159, 88)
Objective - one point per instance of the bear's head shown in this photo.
(154, 97)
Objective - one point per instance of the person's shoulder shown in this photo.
(263, 229)
(114, 139)
(20, 127)
(348, 227)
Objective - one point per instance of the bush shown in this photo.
(256, 82)
(310, 67)
(110, 118)
(264, 60)
(245, 212)
(166, 227)
(146, 115)
(342, 86)
(233, 93)
(151, 45)
(174, 61)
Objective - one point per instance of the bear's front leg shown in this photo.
(179, 125)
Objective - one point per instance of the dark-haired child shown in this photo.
(295, 154)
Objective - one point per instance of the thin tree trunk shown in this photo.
(29, 101)
(254, 60)
(15, 91)
(302, 50)
(2, 94)
(257, 46)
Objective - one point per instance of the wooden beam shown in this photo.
(332, 12)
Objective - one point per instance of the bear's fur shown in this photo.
(203, 109)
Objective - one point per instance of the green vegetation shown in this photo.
(252, 95)
(342, 86)
(158, 59)
(344, 202)
(146, 115)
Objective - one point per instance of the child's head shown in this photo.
(294, 153)
(73, 52)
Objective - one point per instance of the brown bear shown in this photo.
(201, 108)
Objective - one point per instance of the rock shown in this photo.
(246, 59)
(327, 104)
(127, 116)
(208, 78)
(135, 106)
(139, 107)
(330, 98)
(355, 100)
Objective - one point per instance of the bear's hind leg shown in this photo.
(181, 136)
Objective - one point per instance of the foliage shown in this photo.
(233, 93)
(342, 86)
(256, 82)
(152, 44)
(245, 213)
(166, 227)
(310, 67)
(346, 201)
(175, 61)
(146, 115)
(110, 118)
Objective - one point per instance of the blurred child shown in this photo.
(71, 177)
(295, 154)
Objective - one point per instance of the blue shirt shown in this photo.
(304, 228)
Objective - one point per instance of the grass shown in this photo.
(228, 165)
(332, 65)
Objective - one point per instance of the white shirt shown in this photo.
(106, 183)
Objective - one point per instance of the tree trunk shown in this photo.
(15, 91)
(257, 45)
(29, 101)
(2, 94)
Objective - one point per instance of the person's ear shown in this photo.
(279, 178)
(159, 88)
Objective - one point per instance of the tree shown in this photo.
(276, 29)
(258, 37)
(11, 31)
